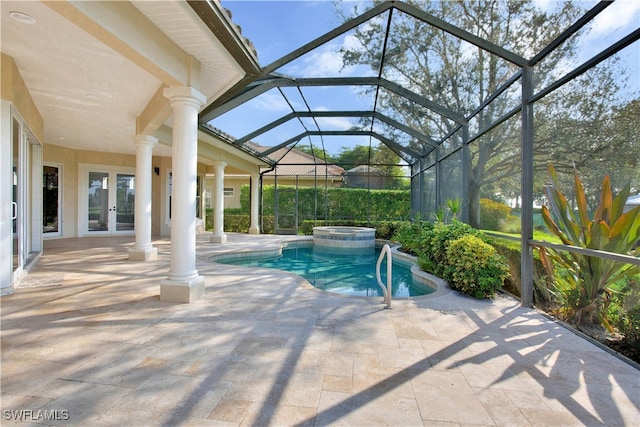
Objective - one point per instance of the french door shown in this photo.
(109, 200)
(23, 210)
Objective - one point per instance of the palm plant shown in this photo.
(584, 281)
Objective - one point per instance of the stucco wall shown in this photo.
(14, 90)
(70, 160)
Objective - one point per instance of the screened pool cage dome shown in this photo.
(440, 101)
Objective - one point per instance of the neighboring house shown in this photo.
(294, 168)
(298, 168)
(364, 176)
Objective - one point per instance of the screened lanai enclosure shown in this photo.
(434, 101)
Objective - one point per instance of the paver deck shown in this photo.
(86, 340)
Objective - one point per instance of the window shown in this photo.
(229, 192)
(198, 199)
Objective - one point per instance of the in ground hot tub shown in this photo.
(344, 238)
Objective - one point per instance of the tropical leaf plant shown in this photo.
(582, 281)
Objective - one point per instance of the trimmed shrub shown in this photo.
(237, 223)
(340, 203)
(474, 267)
(432, 254)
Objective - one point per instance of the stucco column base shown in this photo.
(218, 238)
(254, 230)
(182, 291)
(144, 254)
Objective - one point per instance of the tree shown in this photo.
(379, 157)
(460, 76)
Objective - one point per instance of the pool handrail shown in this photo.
(386, 291)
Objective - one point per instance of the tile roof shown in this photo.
(295, 162)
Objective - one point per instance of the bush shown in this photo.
(234, 220)
(494, 215)
(237, 223)
(474, 268)
(624, 312)
(413, 235)
(432, 253)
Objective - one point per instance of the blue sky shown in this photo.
(278, 27)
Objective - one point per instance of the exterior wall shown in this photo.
(15, 91)
(237, 181)
(70, 160)
(16, 96)
(232, 181)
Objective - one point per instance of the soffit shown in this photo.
(176, 19)
(88, 93)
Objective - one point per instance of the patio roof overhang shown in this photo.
(109, 62)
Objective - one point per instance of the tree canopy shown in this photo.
(576, 126)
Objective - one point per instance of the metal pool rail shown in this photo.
(387, 291)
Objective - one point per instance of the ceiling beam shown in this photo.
(389, 143)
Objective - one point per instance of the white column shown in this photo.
(183, 284)
(218, 235)
(143, 250)
(255, 211)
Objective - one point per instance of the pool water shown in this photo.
(352, 273)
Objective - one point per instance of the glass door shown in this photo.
(110, 202)
(125, 201)
(98, 198)
(17, 204)
(51, 200)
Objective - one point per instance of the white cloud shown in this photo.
(334, 123)
(620, 14)
(326, 61)
(321, 62)
(271, 101)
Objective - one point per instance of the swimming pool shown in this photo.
(344, 272)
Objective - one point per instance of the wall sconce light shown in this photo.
(156, 170)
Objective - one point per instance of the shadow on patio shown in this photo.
(261, 348)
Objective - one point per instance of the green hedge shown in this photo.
(340, 203)
(380, 209)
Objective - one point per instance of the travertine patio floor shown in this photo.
(87, 336)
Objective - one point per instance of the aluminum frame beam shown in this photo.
(363, 113)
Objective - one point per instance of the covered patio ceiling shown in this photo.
(313, 123)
